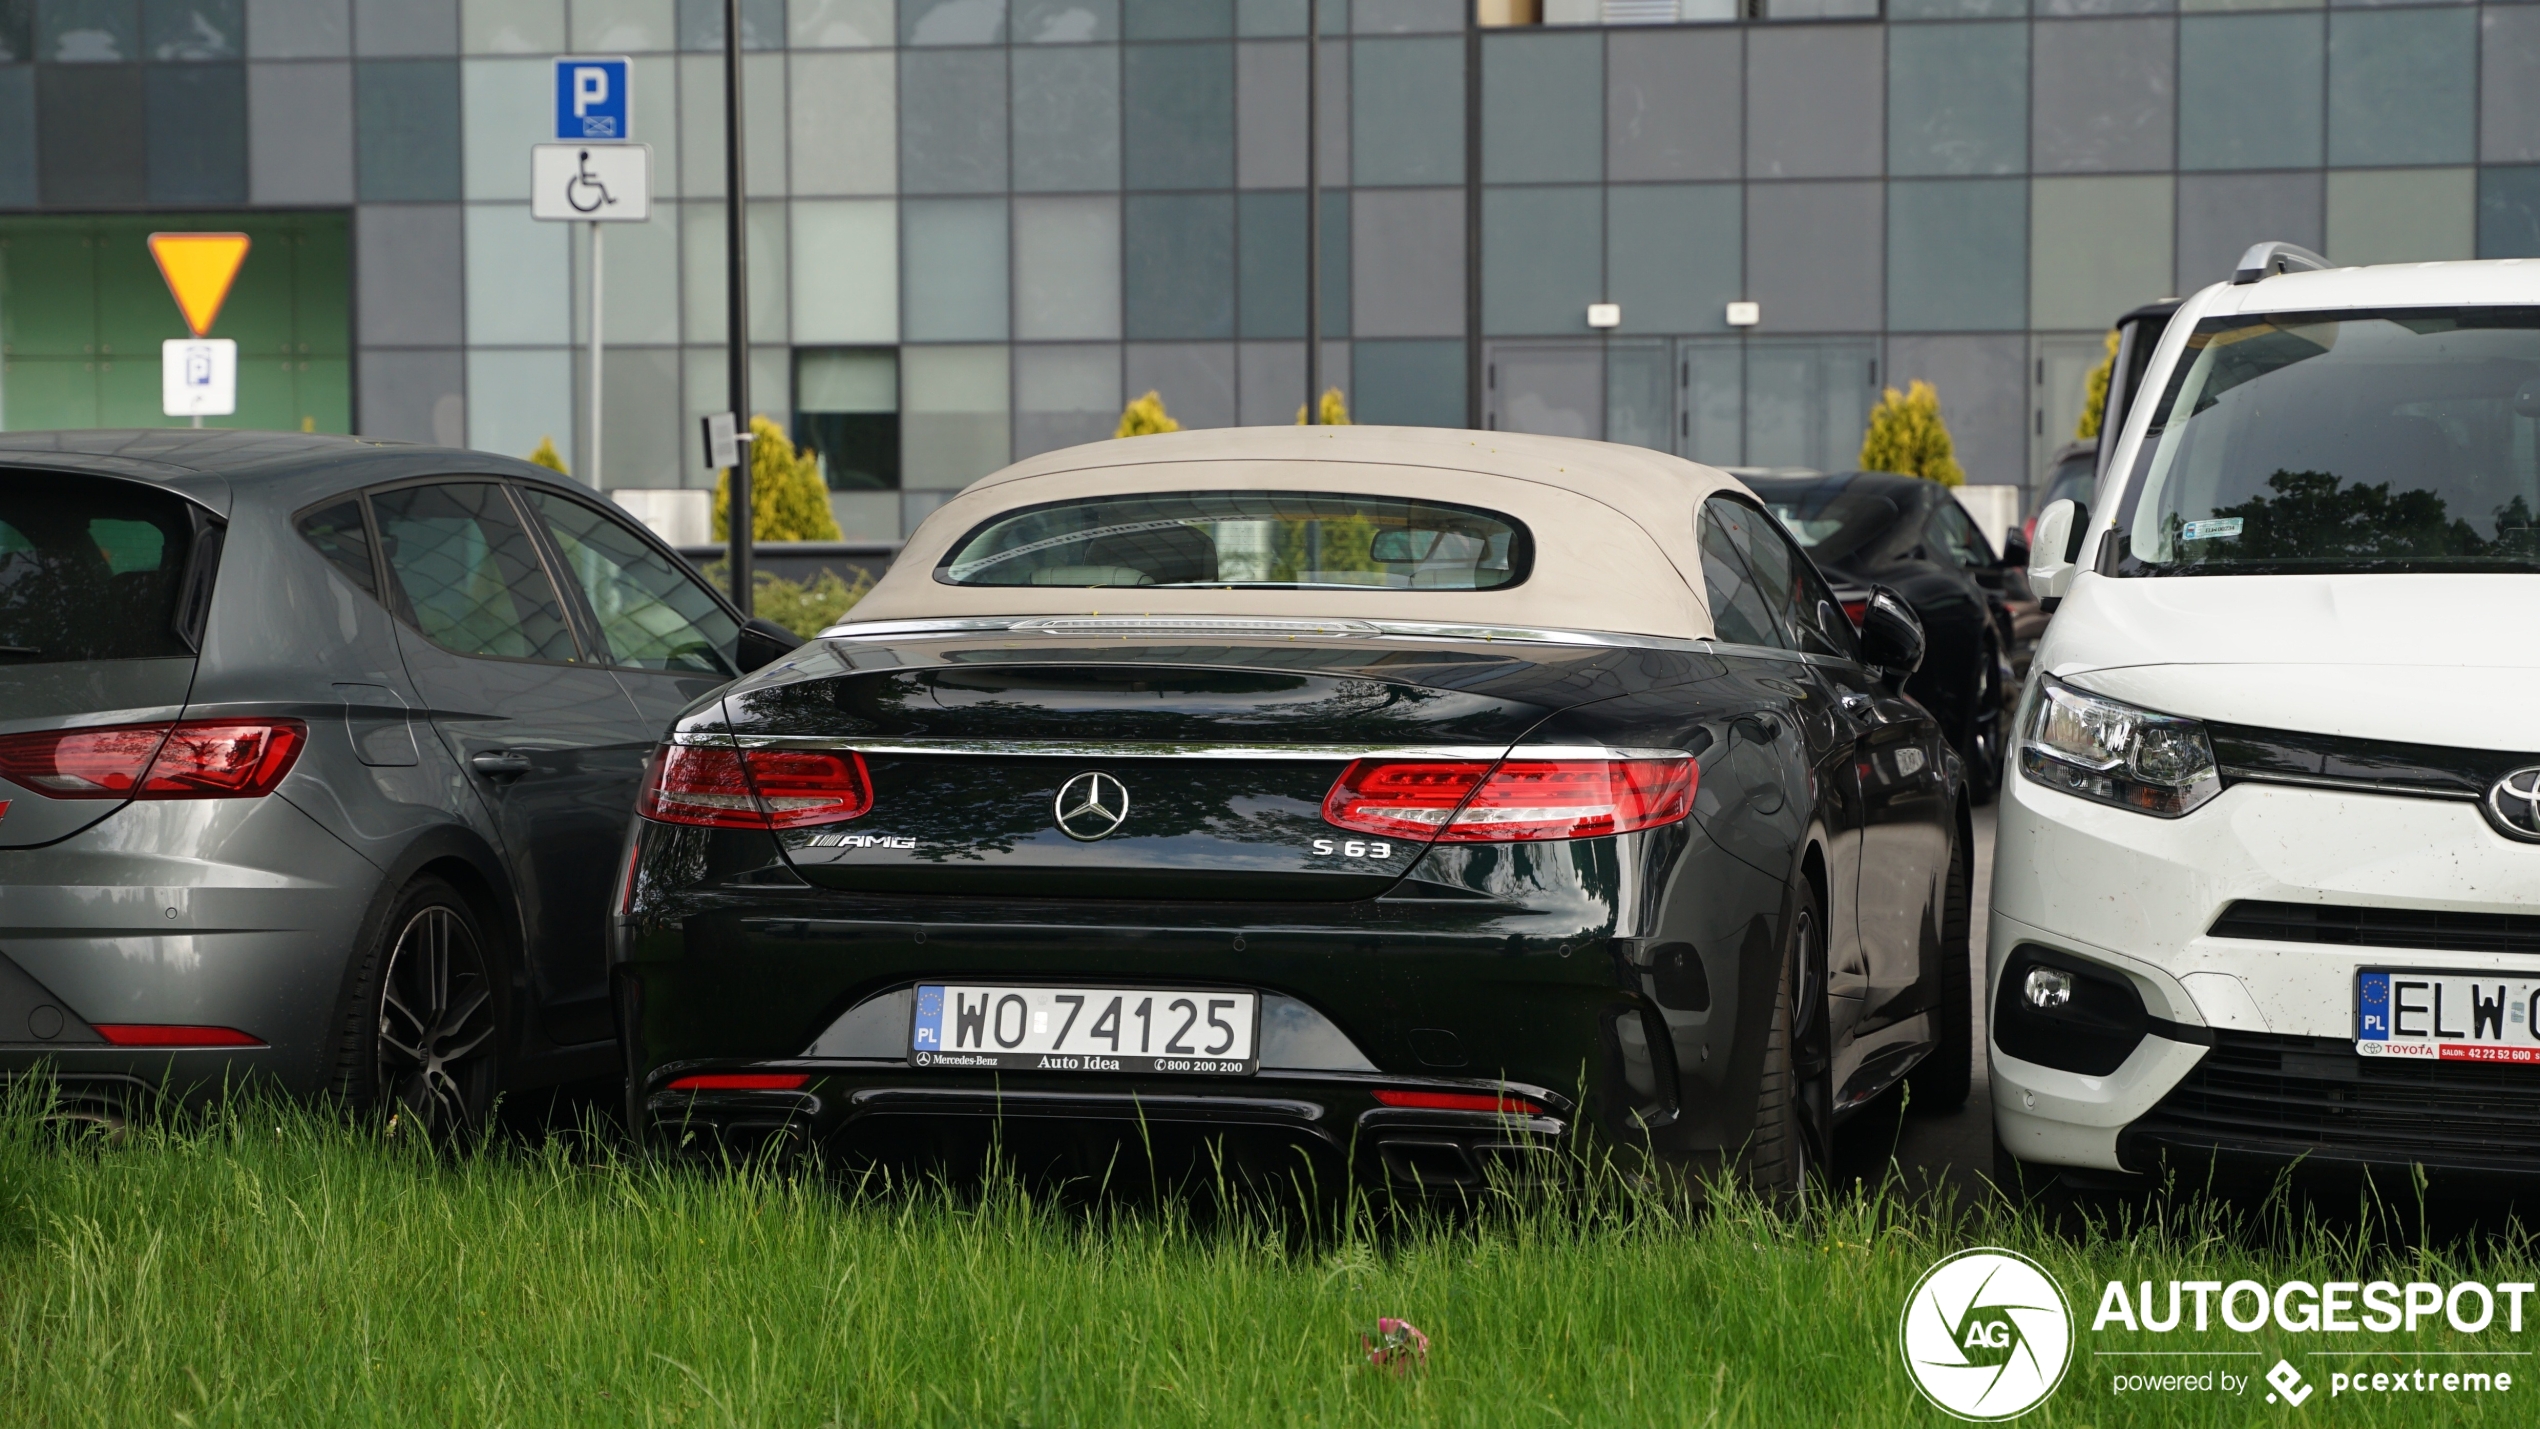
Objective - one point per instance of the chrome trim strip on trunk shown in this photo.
(1161, 749)
(1185, 628)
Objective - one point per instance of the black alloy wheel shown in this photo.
(1983, 748)
(423, 1043)
(1940, 1082)
(1794, 1111)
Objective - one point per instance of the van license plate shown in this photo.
(974, 1026)
(2447, 1016)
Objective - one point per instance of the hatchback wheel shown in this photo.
(422, 1038)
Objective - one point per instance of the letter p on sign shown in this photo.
(591, 100)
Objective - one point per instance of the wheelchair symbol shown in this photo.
(586, 185)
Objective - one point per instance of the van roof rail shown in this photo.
(2264, 260)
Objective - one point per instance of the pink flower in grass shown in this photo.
(1399, 1346)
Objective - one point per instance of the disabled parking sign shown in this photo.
(591, 100)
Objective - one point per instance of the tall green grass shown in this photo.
(270, 1266)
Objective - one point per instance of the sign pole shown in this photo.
(596, 230)
(737, 317)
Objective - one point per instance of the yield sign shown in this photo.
(199, 268)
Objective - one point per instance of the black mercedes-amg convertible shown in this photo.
(1434, 801)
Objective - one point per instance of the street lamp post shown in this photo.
(1313, 211)
(737, 314)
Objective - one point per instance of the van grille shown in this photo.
(2381, 927)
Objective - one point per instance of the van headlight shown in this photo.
(2094, 747)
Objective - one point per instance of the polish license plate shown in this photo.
(2447, 1016)
(977, 1026)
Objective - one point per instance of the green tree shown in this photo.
(788, 500)
(1907, 436)
(547, 457)
(2094, 393)
(1145, 417)
(1335, 411)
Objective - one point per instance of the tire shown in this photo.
(1793, 1106)
(420, 1036)
(1984, 746)
(1938, 1084)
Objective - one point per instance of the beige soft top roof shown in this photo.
(1613, 526)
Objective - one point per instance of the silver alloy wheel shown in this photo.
(436, 1023)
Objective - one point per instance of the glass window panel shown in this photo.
(1543, 258)
(1272, 247)
(839, 24)
(512, 27)
(2106, 95)
(1270, 380)
(1066, 119)
(509, 105)
(193, 29)
(2402, 86)
(1984, 384)
(406, 119)
(1957, 99)
(2508, 213)
(299, 29)
(17, 116)
(954, 420)
(1821, 9)
(91, 135)
(1812, 256)
(2249, 91)
(405, 27)
(1065, 22)
(1640, 387)
(519, 397)
(2219, 216)
(411, 291)
(1067, 267)
(1287, 17)
(1674, 255)
(955, 252)
(198, 133)
(1408, 124)
(300, 134)
(847, 415)
(1955, 9)
(88, 31)
(701, 24)
(642, 282)
(469, 575)
(519, 277)
(952, 22)
(1739, 614)
(17, 32)
(2509, 85)
(1195, 379)
(1957, 255)
(847, 287)
(1808, 401)
(1672, 105)
(1542, 109)
(2402, 215)
(2157, 7)
(1178, 19)
(1553, 389)
(2097, 247)
(1815, 102)
(651, 614)
(1407, 17)
(1711, 400)
(341, 536)
(1181, 116)
(952, 121)
(1248, 538)
(1065, 396)
(1270, 116)
(1408, 384)
(640, 412)
(607, 27)
(846, 379)
(1180, 249)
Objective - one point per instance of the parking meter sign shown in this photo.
(198, 377)
(591, 100)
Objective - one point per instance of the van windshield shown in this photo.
(2394, 440)
(90, 569)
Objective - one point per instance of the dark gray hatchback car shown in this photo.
(316, 762)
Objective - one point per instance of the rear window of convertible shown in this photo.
(1265, 540)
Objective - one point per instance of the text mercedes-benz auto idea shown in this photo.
(315, 757)
(2268, 878)
(1386, 789)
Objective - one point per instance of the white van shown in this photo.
(2267, 882)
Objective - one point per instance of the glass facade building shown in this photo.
(978, 226)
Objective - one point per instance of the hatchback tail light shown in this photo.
(1512, 801)
(162, 1034)
(741, 1082)
(754, 788)
(193, 759)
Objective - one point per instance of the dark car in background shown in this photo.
(315, 760)
(1866, 529)
(1366, 792)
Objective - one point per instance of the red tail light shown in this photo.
(754, 789)
(741, 1082)
(162, 1034)
(1458, 1101)
(196, 759)
(1515, 801)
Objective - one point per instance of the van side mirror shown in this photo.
(763, 643)
(1891, 634)
(2060, 528)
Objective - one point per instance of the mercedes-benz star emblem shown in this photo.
(1090, 806)
(2513, 805)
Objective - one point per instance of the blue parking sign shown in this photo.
(591, 99)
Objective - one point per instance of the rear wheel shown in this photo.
(419, 1039)
(1983, 748)
(1939, 1083)
(1794, 1103)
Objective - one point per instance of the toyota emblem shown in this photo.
(1094, 805)
(2513, 805)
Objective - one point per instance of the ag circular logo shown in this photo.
(2513, 805)
(1986, 1334)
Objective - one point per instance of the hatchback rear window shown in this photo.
(1275, 540)
(90, 569)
